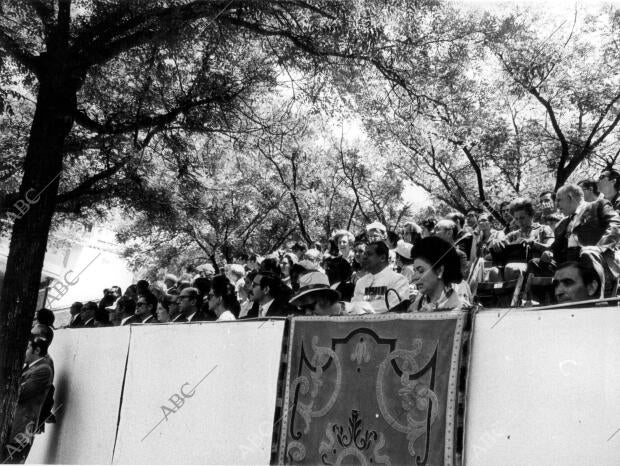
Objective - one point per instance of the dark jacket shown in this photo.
(280, 307)
(35, 383)
(598, 225)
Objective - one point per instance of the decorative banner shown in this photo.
(373, 390)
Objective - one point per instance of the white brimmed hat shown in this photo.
(404, 249)
(376, 226)
(311, 283)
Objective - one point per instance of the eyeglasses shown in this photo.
(185, 297)
(141, 304)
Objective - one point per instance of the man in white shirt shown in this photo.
(370, 290)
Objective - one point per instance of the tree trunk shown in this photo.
(32, 215)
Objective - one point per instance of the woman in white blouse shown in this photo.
(223, 299)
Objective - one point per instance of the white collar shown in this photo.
(191, 316)
(149, 317)
(125, 320)
(36, 361)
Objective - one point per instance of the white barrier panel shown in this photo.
(89, 365)
(200, 393)
(544, 388)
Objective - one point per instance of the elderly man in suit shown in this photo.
(590, 232)
(37, 378)
(270, 297)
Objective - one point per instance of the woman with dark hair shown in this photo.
(338, 271)
(437, 270)
(286, 264)
(223, 299)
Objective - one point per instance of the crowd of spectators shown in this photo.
(568, 235)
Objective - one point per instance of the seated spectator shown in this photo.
(102, 318)
(609, 186)
(174, 309)
(575, 281)
(88, 314)
(271, 265)
(358, 255)
(448, 231)
(463, 239)
(590, 190)
(162, 311)
(146, 308)
(412, 233)
(404, 262)
(189, 304)
(131, 292)
(314, 256)
(74, 311)
(315, 296)
(344, 242)
(590, 232)
(376, 231)
(170, 281)
(437, 271)
(471, 219)
(125, 311)
(223, 299)
(109, 298)
(245, 294)
(288, 260)
(547, 204)
(299, 250)
(236, 275)
(35, 383)
(508, 219)
(380, 281)
(528, 242)
(203, 285)
(428, 226)
(486, 237)
(270, 298)
(338, 271)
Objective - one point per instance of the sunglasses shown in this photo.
(141, 304)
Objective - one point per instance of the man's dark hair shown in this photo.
(270, 280)
(142, 286)
(614, 175)
(589, 184)
(270, 265)
(127, 306)
(457, 218)
(381, 249)
(338, 269)
(522, 203)
(393, 237)
(586, 272)
(102, 315)
(544, 193)
(46, 317)
(152, 301)
(40, 342)
(90, 306)
(222, 288)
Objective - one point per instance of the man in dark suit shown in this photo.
(189, 304)
(270, 297)
(590, 232)
(76, 319)
(146, 307)
(37, 378)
